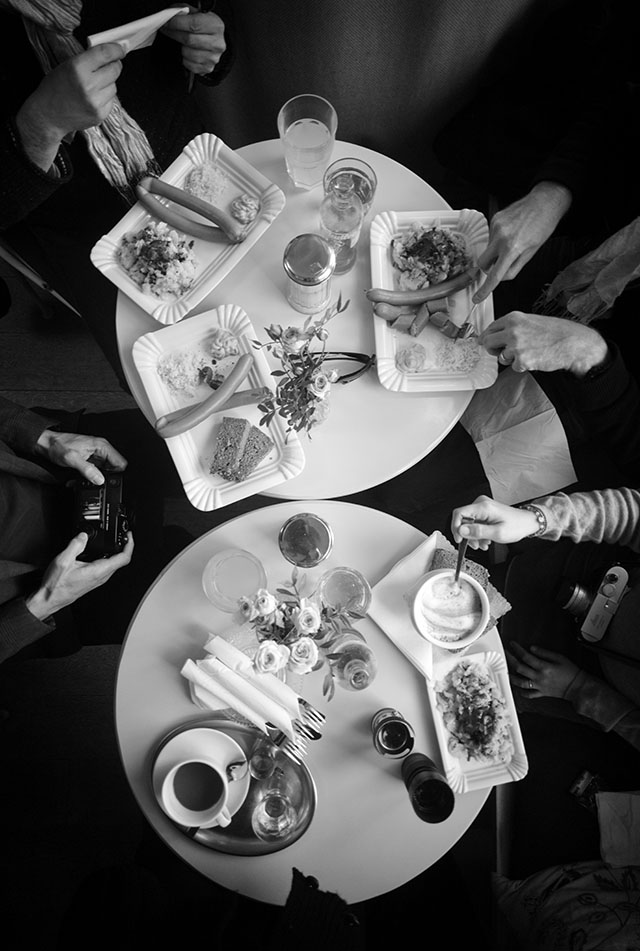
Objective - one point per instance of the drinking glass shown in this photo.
(355, 173)
(231, 574)
(305, 540)
(275, 816)
(345, 588)
(307, 127)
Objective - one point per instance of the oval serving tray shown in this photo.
(238, 837)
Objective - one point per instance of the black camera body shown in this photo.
(595, 609)
(100, 511)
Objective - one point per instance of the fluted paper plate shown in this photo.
(192, 451)
(434, 377)
(466, 775)
(215, 260)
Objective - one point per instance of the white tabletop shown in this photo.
(364, 839)
(372, 433)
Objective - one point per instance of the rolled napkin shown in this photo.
(238, 693)
(267, 683)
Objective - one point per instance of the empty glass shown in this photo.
(355, 173)
(307, 126)
(275, 816)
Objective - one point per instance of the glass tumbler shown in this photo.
(355, 173)
(307, 127)
(275, 816)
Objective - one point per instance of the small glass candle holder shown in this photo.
(305, 540)
(262, 761)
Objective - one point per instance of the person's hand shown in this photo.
(539, 672)
(67, 579)
(76, 95)
(491, 521)
(538, 342)
(201, 36)
(74, 451)
(518, 231)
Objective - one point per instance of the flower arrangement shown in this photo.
(297, 632)
(303, 387)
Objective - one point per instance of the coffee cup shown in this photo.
(450, 614)
(195, 792)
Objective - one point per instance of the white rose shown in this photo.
(411, 359)
(270, 657)
(304, 655)
(293, 339)
(320, 384)
(246, 608)
(307, 617)
(265, 603)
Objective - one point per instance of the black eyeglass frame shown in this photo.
(366, 360)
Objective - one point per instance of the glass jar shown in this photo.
(341, 217)
(358, 173)
(356, 666)
(309, 261)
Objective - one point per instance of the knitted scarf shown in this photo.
(586, 290)
(118, 145)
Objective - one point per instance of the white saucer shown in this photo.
(196, 742)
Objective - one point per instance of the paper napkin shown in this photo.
(229, 689)
(266, 683)
(138, 33)
(619, 821)
(392, 597)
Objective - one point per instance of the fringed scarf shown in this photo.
(586, 290)
(118, 145)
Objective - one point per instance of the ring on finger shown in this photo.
(503, 359)
(530, 685)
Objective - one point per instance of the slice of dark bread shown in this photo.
(239, 448)
(230, 443)
(257, 446)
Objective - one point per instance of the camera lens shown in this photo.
(574, 598)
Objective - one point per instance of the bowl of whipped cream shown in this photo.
(450, 614)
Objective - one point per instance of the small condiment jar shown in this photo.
(392, 735)
(309, 262)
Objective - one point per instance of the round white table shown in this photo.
(364, 839)
(372, 434)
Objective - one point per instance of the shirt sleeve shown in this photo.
(23, 184)
(613, 712)
(610, 516)
(19, 627)
(20, 428)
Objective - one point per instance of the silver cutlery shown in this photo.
(295, 749)
(310, 714)
(467, 329)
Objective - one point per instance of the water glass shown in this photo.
(307, 127)
(356, 173)
(275, 816)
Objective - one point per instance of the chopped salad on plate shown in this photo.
(429, 254)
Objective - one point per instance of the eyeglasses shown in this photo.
(366, 361)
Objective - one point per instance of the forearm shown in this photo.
(610, 516)
(19, 627)
(24, 184)
(613, 712)
(20, 428)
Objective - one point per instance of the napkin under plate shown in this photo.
(392, 597)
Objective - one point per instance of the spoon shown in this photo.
(461, 550)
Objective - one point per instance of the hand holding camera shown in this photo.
(68, 578)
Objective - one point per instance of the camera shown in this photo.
(595, 609)
(99, 510)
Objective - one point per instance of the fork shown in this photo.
(310, 714)
(295, 749)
